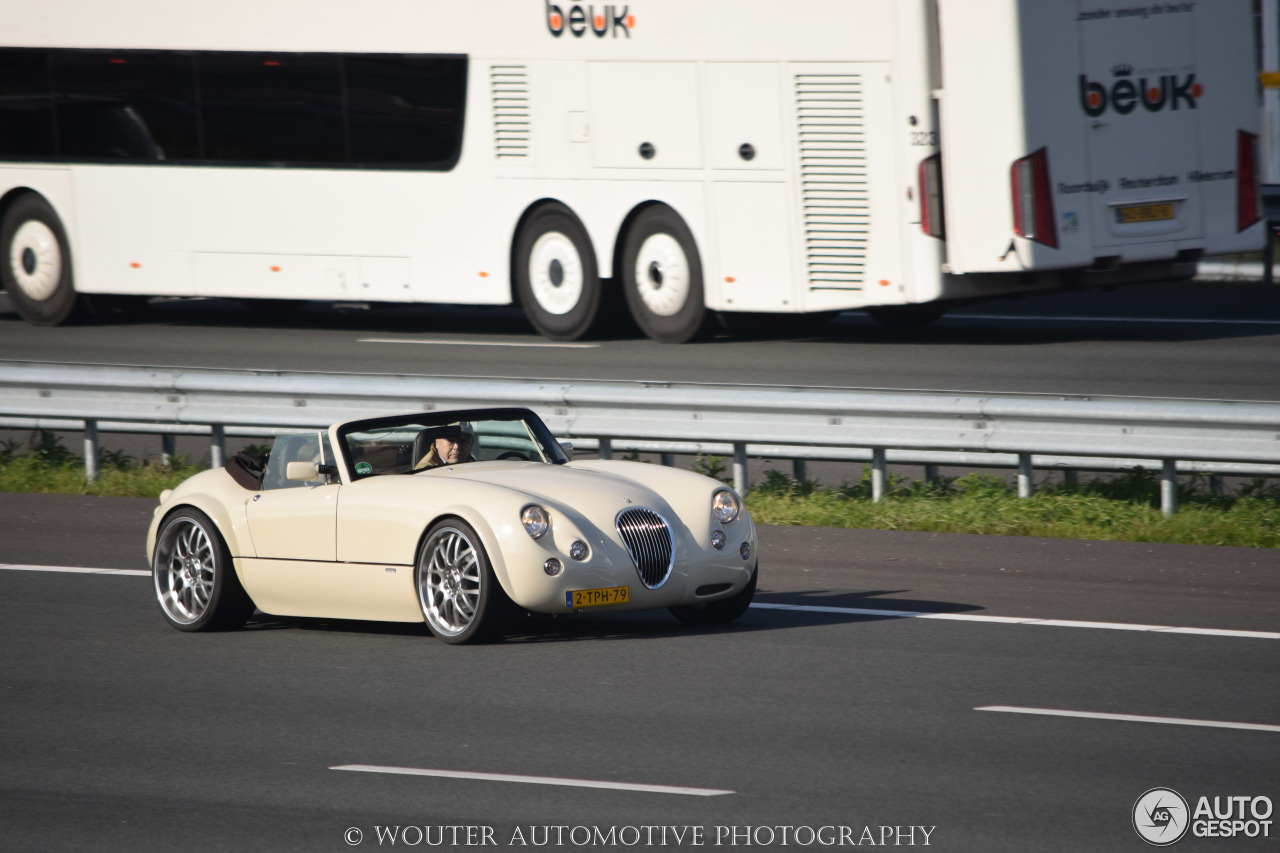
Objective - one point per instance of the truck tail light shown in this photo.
(1033, 199)
(1247, 209)
(930, 180)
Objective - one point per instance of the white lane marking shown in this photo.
(14, 567)
(1016, 620)
(1195, 321)
(535, 780)
(442, 342)
(1130, 718)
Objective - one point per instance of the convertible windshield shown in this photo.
(412, 443)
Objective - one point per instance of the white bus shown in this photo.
(677, 159)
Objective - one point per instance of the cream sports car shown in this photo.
(456, 518)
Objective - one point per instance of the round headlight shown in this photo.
(535, 520)
(552, 566)
(725, 506)
(579, 550)
(717, 539)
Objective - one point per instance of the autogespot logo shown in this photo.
(1160, 816)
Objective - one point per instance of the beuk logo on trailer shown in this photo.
(1167, 90)
(579, 20)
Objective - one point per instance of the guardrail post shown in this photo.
(1070, 478)
(739, 467)
(669, 460)
(798, 470)
(168, 448)
(1215, 486)
(1026, 486)
(930, 474)
(879, 474)
(90, 450)
(605, 450)
(217, 446)
(1169, 487)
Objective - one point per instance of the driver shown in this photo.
(450, 445)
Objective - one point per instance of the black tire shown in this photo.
(554, 272)
(661, 274)
(906, 316)
(35, 263)
(195, 582)
(449, 586)
(719, 612)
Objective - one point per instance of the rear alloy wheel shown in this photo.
(662, 277)
(36, 265)
(460, 597)
(196, 584)
(555, 275)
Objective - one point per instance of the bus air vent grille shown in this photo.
(510, 87)
(833, 179)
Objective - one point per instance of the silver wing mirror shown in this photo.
(567, 447)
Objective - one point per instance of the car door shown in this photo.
(293, 520)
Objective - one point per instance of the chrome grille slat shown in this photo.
(649, 542)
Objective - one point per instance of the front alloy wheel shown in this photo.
(457, 590)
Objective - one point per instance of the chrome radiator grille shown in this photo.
(648, 538)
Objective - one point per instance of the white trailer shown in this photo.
(671, 159)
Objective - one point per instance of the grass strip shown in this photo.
(1124, 507)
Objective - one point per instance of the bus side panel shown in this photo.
(982, 129)
(1230, 106)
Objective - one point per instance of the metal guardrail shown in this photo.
(779, 422)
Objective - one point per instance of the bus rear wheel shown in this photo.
(36, 266)
(662, 277)
(555, 275)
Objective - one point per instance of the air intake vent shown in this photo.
(833, 179)
(648, 539)
(510, 88)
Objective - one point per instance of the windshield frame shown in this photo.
(539, 430)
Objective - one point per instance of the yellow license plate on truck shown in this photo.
(1144, 213)
(597, 597)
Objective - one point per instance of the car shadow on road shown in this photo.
(773, 614)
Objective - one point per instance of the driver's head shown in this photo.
(455, 444)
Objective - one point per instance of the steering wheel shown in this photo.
(513, 454)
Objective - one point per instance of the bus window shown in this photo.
(405, 110)
(26, 108)
(126, 105)
(272, 108)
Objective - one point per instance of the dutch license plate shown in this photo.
(1144, 213)
(597, 597)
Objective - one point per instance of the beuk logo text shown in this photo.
(610, 20)
(1167, 90)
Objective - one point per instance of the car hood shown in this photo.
(561, 484)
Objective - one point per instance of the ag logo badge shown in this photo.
(1161, 817)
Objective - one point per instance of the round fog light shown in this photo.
(717, 540)
(552, 566)
(578, 550)
(745, 551)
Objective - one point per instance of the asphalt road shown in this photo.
(1186, 339)
(119, 733)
